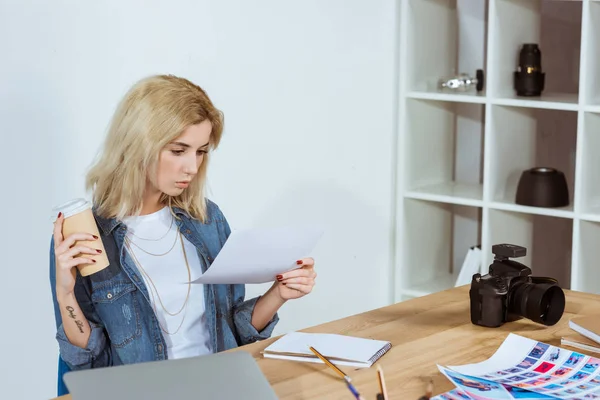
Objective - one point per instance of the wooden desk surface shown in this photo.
(426, 331)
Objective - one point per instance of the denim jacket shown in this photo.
(115, 301)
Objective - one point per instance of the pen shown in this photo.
(340, 372)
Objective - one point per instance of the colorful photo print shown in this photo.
(591, 365)
(553, 386)
(536, 382)
(527, 363)
(592, 396)
(518, 393)
(550, 388)
(515, 378)
(575, 379)
(477, 388)
(593, 384)
(459, 394)
(513, 370)
(539, 350)
(572, 391)
(561, 372)
(574, 359)
(563, 395)
(579, 376)
(594, 381)
(552, 354)
(452, 395)
(586, 387)
(544, 367)
(530, 374)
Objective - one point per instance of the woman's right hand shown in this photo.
(68, 255)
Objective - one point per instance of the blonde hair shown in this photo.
(154, 112)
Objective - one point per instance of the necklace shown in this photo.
(156, 240)
(185, 303)
(153, 254)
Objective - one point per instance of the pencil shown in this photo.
(339, 371)
(429, 392)
(326, 361)
(382, 382)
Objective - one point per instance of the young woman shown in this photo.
(158, 230)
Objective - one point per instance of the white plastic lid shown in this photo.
(72, 207)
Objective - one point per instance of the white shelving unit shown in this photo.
(461, 154)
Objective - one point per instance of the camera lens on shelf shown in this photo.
(529, 78)
(541, 301)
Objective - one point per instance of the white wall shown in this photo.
(307, 88)
(471, 49)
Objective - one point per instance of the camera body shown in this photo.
(510, 292)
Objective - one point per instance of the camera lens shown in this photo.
(540, 302)
(529, 78)
(530, 58)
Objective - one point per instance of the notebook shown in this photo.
(580, 342)
(588, 326)
(339, 349)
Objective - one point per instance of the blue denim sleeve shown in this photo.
(93, 356)
(96, 353)
(242, 309)
(242, 318)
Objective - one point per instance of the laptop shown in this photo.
(234, 375)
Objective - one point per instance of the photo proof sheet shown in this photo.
(523, 368)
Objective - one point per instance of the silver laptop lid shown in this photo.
(232, 375)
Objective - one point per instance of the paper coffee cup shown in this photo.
(78, 218)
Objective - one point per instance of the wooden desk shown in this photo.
(430, 330)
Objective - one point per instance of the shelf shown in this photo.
(447, 133)
(592, 55)
(524, 138)
(558, 101)
(590, 164)
(450, 192)
(465, 97)
(548, 241)
(465, 152)
(593, 216)
(445, 37)
(588, 278)
(556, 27)
(563, 212)
(592, 108)
(438, 237)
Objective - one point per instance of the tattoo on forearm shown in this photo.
(71, 311)
(79, 325)
(72, 315)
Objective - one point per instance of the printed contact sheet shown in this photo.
(455, 394)
(523, 368)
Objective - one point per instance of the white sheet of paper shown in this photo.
(259, 255)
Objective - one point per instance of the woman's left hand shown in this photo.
(299, 282)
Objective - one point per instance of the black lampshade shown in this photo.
(543, 187)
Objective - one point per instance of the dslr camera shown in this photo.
(509, 292)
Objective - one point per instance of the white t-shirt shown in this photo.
(164, 276)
